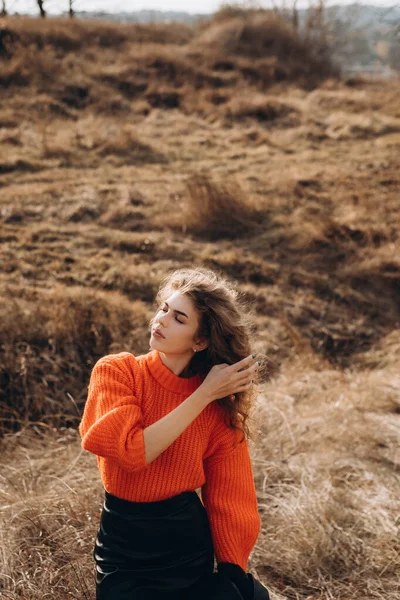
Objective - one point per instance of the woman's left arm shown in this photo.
(230, 498)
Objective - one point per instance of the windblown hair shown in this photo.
(226, 323)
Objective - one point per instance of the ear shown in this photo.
(202, 345)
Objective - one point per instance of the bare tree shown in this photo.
(315, 23)
(41, 8)
(71, 11)
(295, 15)
(3, 8)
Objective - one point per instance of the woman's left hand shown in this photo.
(236, 574)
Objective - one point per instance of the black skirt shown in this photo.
(154, 550)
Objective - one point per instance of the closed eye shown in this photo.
(176, 318)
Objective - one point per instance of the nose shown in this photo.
(162, 319)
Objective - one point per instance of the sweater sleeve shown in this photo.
(111, 425)
(230, 498)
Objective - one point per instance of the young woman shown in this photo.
(168, 423)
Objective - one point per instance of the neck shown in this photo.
(177, 363)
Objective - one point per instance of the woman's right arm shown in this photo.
(221, 381)
(112, 425)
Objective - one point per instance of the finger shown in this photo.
(245, 362)
(249, 370)
(247, 374)
(244, 387)
(243, 379)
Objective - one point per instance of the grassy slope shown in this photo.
(100, 184)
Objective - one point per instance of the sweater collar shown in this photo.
(167, 379)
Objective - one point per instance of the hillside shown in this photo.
(361, 34)
(127, 150)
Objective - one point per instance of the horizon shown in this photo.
(57, 7)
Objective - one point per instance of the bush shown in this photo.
(260, 34)
(217, 210)
(50, 342)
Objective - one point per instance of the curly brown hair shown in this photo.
(226, 322)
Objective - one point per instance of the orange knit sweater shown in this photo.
(127, 394)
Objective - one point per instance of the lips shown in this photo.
(158, 333)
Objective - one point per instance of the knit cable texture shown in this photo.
(126, 394)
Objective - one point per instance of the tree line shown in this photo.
(41, 7)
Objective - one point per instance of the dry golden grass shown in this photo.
(150, 154)
(216, 210)
(327, 470)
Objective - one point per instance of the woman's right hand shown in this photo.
(224, 380)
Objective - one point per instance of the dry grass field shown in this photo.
(126, 151)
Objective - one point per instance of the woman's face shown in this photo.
(177, 319)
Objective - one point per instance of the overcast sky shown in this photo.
(194, 6)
